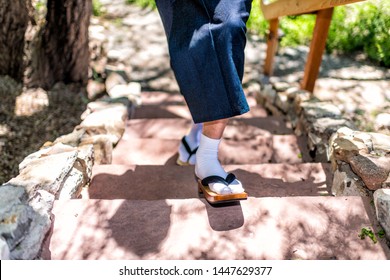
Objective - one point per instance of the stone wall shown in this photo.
(61, 169)
(360, 160)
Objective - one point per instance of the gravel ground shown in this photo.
(30, 118)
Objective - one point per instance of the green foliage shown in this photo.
(40, 5)
(143, 3)
(256, 22)
(97, 8)
(366, 232)
(362, 27)
(297, 30)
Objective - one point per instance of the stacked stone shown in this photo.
(361, 165)
(360, 160)
(61, 169)
(308, 115)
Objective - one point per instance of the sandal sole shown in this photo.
(214, 198)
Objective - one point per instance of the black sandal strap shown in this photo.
(230, 178)
(188, 149)
(213, 179)
(218, 179)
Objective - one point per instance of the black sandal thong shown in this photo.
(189, 151)
(214, 198)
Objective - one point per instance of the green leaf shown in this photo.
(366, 232)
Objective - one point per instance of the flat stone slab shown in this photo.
(161, 111)
(161, 98)
(172, 128)
(256, 229)
(151, 182)
(172, 105)
(260, 149)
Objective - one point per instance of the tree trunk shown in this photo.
(61, 52)
(13, 25)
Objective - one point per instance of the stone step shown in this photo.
(277, 228)
(169, 105)
(154, 182)
(260, 149)
(171, 128)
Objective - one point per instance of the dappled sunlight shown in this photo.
(143, 206)
(265, 228)
(30, 117)
(328, 230)
(277, 180)
(99, 229)
(157, 128)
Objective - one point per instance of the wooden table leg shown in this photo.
(317, 47)
(272, 46)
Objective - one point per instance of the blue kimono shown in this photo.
(206, 40)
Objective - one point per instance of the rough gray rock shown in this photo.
(80, 175)
(30, 247)
(382, 207)
(315, 110)
(366, 153)
(27, 200)
(347, 183)
(15, 216)
(319, 131)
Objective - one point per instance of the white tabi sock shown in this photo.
(192, 139)
(207, 164)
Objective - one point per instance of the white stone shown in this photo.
(46, 173)
(113, 79)
(73, 183)
(382, 120)
(380, 141)
(110, 121)
(30, 102)
(382, 207)
(129, 90)
(57, 148)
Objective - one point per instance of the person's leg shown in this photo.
(207, 162)
(206, 41)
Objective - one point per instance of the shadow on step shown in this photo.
(274, 228)
(155, 182)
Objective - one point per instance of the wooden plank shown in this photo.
(317, 46)
(280, 8)
(272, 46)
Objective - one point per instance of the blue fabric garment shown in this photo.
(206, 40)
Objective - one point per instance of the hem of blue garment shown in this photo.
(223, 116)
